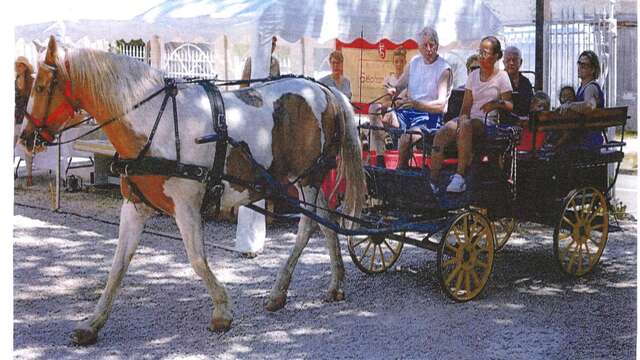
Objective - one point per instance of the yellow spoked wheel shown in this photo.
(581, 234)
(373, 254)
(465, 256)
(502, 230)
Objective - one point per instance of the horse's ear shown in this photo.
(52, 49)
(39, 46)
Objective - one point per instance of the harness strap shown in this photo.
(158, 166)
(170, 91)
(214, 183)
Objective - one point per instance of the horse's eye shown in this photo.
(39, 88)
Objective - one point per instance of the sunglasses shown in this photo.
(475, 67)
(584, 64)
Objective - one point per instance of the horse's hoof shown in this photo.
(335, 295)
(84, 336)
(220, 325)
(275, 304)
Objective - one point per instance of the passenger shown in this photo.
(336, 78)
(427, 79)
(399, 59)
(488, 90)
(472, 64)
(274, 68)
(376, 110)
(540, 102)
(519, 83)
(588, 97)
(567, 94)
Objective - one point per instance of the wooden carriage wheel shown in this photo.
(582, 231)
(374, 254)
(465, 256)
(502, 230)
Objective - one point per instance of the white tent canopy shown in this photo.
(458, 22)
(255, 21)
(186, 20)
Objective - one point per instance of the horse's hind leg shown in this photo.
(189, 222)
(278, 295)
(336, 287)
(132, 219)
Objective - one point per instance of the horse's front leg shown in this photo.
(189, 222)
(278, 295)
(132, 219)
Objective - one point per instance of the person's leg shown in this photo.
(377, 136)
(405, 147)
(390, 119)
(471, 128)
(466, 130)
(445, 135)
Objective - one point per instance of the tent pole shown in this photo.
(539, 43)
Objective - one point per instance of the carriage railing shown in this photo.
(611, 151)
(599, 119)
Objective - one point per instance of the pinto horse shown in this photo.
(286, 124)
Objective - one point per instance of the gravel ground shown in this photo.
(529, 310)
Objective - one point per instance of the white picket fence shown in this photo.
(138, 52)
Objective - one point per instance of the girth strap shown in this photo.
(158, 166)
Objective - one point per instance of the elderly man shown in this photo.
(521, 85)
(427, 79)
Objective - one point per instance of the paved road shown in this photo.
(627, 192)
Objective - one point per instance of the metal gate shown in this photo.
(190, 60)
(564, 40)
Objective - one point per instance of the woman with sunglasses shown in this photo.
(488, 90)
(588, 97)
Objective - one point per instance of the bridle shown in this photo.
(60, 114)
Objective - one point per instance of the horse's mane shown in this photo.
(117, 82)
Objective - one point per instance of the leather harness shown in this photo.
(212, 177)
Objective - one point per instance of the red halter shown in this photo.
(59, 114)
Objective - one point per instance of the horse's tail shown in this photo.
(350, 165)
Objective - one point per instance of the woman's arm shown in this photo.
(504, 103)
(591, 97)
(467, 102)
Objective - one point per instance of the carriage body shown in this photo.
(568, 190)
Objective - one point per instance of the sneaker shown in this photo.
(434, 188)
(457, 184)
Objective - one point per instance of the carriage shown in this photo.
(508, 182)
(570, 191)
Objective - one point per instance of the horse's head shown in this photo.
(52, 105)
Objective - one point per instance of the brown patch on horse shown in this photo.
(296, 136)
(239, 166)
(152, 188)
(249, 96)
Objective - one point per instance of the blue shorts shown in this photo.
(426, 121)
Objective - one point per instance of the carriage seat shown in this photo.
(598, 120)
